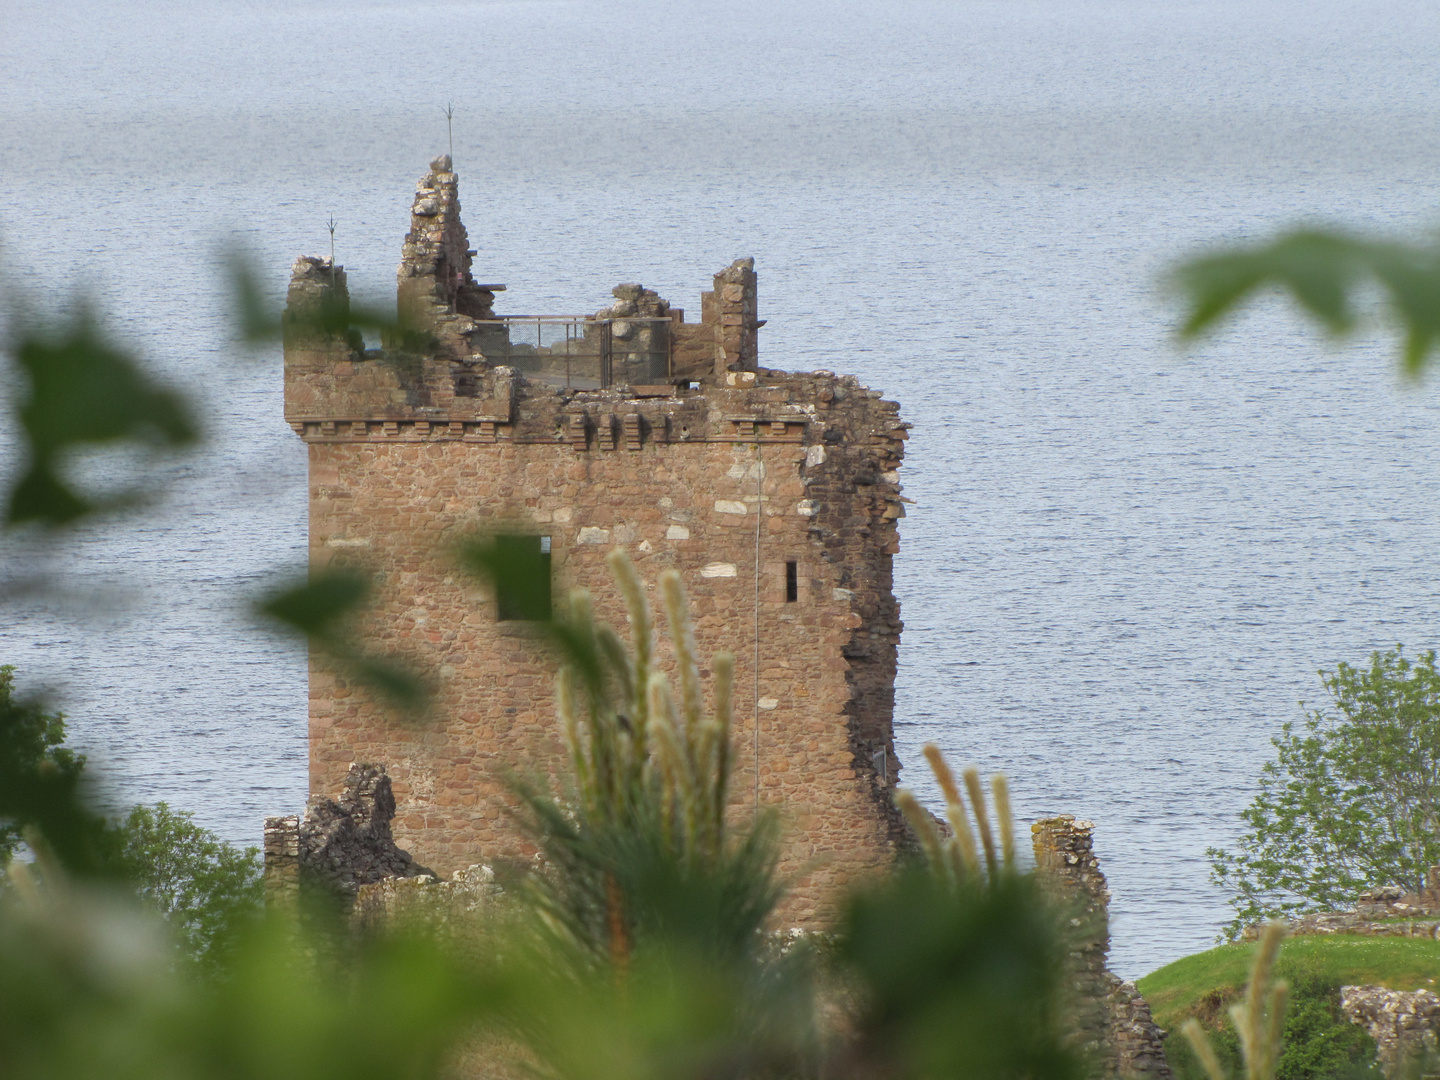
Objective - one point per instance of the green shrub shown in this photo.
(1320, 1041)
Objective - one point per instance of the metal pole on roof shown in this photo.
(759, 517)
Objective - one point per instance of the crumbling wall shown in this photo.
(1404, 1024)
(1137, 1043)
(435, 288)
(1110, 1019)
(1387, 911)
(281, 876)
(444, 904)
(736, 307)
(341, 844)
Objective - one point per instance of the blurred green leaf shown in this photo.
(317, 607)
(399, 684)
(80, 391)
(1324, 272)
(334, 316)
(317, 610)
(518, 567)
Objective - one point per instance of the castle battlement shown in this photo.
(775, 494)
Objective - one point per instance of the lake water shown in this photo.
(1125, 563)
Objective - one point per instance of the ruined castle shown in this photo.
(773, 493)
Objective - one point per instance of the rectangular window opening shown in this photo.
(792, 582)
(522, 583)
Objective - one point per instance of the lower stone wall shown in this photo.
(345, 844)
(1111, 1020)
(1404, 1024)
(1387, 911)
(1137, 1043)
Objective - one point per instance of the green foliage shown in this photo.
(89, 990)
(1325, 272)
(639, 844)
(206, 889)
(38, 773)
(1259, 1018)
(955, 858)
(1177, 990)
(76, 391)
(1320, 1042)
(1351, 801)
(203, 887)
(956, 980)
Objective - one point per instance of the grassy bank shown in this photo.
(1320, 1042)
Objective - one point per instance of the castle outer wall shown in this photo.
(409, 455)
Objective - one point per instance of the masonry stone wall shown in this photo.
(341, 844)
(1405, 1025)
(1385, 911)
(727, 473)
(1110, 1019)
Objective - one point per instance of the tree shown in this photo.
(203, 886)
(36, 768)
(1352, 799)
(206, 889)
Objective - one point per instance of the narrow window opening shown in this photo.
(522, 587)
(792, 583)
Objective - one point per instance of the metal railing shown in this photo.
(579, 352)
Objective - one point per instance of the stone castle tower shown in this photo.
(774, 494)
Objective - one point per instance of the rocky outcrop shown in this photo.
(1404, 1024)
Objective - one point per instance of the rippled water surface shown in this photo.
(1125, 563)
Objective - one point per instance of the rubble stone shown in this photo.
(1404, 1024)
(1386, 911)
(342, 843)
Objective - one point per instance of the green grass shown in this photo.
(1179, 990)
(1320, 1043)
